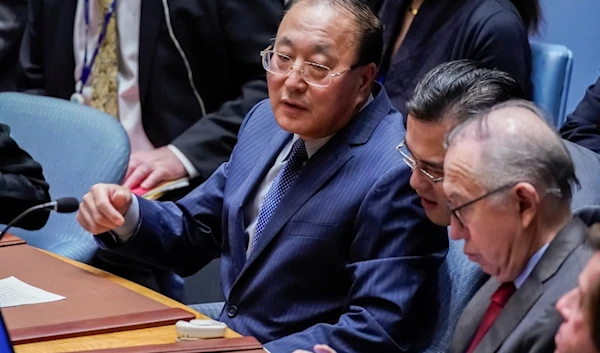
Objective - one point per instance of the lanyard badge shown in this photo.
(77, 97)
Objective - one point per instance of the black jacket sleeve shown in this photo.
(22, 184)
(583, 125)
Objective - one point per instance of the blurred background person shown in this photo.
(580, 308)
(583, 125)
(421, 34)
(180, 75)
(13, 17)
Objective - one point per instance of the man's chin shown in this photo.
(437, 217)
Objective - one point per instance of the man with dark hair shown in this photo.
(580, 308)
(313, 211)
(455, 92)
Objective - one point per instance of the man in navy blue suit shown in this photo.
(322, 240)
(583, 125)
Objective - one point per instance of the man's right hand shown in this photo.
(103, 207)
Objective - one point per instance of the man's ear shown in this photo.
(366, 78)
(529, 202)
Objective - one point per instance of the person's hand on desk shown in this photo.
(319, 348)
(148, 169)
(103, 207)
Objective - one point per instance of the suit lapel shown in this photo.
(472, 315)
(511, 315)
(571, 236)
(236, 221)
(151, 19)
(317, 171)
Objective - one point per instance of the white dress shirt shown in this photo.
(128, 31)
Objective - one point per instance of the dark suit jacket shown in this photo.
(22, 184)
(583, 125)
(555, 274)
(348, 257)
(13, 16)
(587, 171)
(489, 31)
(222, 41)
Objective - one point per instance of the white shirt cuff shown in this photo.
(132, 220)
(189, 167)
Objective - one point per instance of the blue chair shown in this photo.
(458, 280)
(77, 147)
(550, 78)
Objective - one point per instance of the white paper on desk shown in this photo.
(14, 292)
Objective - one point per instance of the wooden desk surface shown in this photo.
(155, 335)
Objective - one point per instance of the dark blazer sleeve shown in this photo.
(583, 125)
(248, 26)
(393, 263)
(500, 41)
(22, 184)
(31, 57)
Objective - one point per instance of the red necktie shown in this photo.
(499, 298)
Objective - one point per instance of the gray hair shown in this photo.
(516, 149)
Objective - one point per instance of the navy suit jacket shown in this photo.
(583, 125)
(348, 257)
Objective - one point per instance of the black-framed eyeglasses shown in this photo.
(456, 210)
(314, 74)
(412, 164)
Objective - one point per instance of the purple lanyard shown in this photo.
(87, 67)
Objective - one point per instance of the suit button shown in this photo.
(232, 311)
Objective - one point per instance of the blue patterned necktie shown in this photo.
(280, 186)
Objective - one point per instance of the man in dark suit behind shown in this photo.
(508, 179)
(583, 125)
(177, 128)
(13, 16)
(22, 183)
(320, 236)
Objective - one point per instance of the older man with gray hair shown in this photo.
(508, 180)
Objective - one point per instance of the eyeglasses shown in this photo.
(456, 210)
(413, 164)
(314, 74)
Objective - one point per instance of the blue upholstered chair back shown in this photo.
(550, 78)
(458, 280)
(77, 147)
